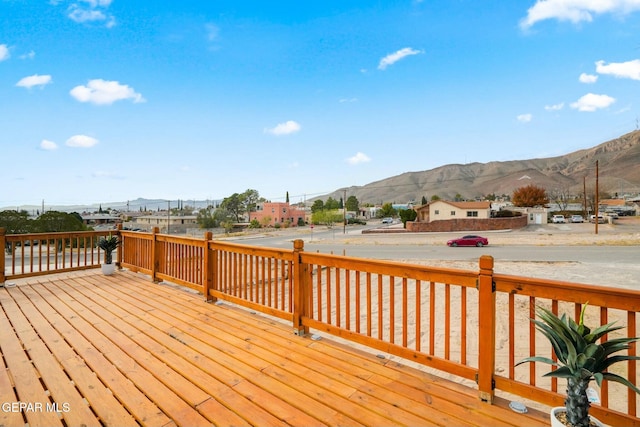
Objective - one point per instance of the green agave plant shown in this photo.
(108, 245)
(580, 358)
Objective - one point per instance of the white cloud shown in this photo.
(103, 92)
(285, 128)
(212, 31)
(81, 141)
(358, 158)
(587, 78)
(627, 70)
(35, 80)
(106, 175)
(92, 11)
(97, 3)
(392, 58)
(592, 102)
(576, 11)
(525, 118)
(4, 52)
(48, 145)
(554, 107)
(348, 100)
(29, 55)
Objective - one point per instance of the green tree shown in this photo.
(530, 196)
(331, 204)
(352, 204)
(327, 217)
(424, 200)
(15, 222)
(239, 204)
(287, 199)
(407, 215)
(435, 197)
(250, 199)
(54, 221)
(317, 206)
(387, 210)
(206, 218)
(234, 205)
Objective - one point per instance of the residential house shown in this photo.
(442, 215)
(270, 214)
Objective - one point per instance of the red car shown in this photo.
(469, 240)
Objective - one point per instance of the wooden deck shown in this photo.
(122, 351)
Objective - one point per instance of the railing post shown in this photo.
(207, 264)
(487, 329)
(120, 248)
(300, 287)
(155, 256)
(3, 244)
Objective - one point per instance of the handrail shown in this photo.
(403, 309)
(36, 254)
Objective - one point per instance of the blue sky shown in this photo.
(111, 100)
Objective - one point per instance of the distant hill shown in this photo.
(619, 172)
(138, 204)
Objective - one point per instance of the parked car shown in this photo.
(558, 219)
(387, 220)
(577, 218)
(470, 240)
(352, 220)
(592, 218)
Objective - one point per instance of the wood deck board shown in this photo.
(197, 369)
(312, 383)
(134, 361)
(167, 358)
(132, 399)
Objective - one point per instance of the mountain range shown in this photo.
(618, 173)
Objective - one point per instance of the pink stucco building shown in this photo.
(270, 214)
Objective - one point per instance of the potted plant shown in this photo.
(108, 245)
(580, 360)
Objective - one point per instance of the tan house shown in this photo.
(441, 210)
(165, 222)
(270, 214)
(444, 216)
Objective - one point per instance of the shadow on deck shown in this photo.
(86, 349)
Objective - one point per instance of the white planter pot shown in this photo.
(108, 269)
(556, 423)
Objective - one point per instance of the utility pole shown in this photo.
(597, 207)
(584, 195)
(344, 212)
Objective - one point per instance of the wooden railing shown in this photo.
(472, 324)
(35, 254)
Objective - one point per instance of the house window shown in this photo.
(453, 213)
(472, 213)
(437, 212)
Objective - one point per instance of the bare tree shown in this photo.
(561, 196)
